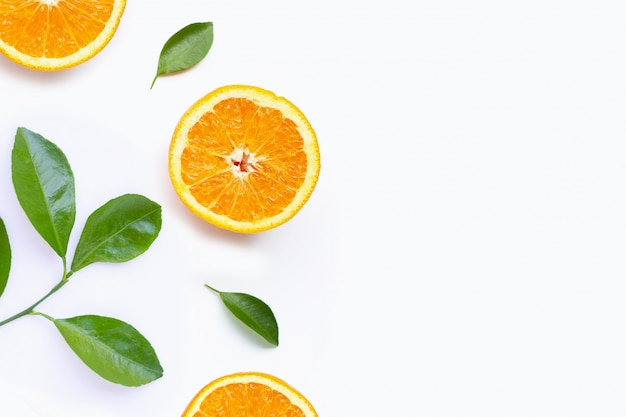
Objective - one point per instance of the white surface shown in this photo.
(462, 255)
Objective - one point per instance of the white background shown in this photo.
(462, 254)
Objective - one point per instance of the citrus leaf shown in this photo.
(5, 257)
(185, 48)
(44, 184)
(252, 312)
(112, 348)
(119, 231)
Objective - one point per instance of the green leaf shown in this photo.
(119, 231)
(185, 48)
(113, 349)
(5, 257)
(252, 312)
(44, 184)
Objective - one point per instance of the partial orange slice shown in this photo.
(249, 394)
(244, 159)
(51, 35)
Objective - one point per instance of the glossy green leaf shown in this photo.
(185, 48)
(5, 257)
(252, 312)
(119, 231)
(112, 348)
(44, 184)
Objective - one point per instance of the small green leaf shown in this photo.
(5, 257)
(44, 184)
(252, 312)
(185, 48)
(119, 231)
(111, 348)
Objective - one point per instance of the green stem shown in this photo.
(29, 310)
(39, 313)
(212, 289)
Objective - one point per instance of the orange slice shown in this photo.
(249, 394)
(51, 35)
(244, 159)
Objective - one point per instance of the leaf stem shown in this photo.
(212, 289)
(29, 310)
(39, 313)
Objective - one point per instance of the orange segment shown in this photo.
(244, 159)
(249, 394)
(57, 34)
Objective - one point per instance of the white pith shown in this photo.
(240, 156)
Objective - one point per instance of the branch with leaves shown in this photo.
(120, 230)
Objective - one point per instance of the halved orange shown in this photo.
(244, 159)
(249, 394)
(51, 35)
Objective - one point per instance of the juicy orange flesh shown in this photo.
(247, 400)
(263, 180)
(52, 30)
